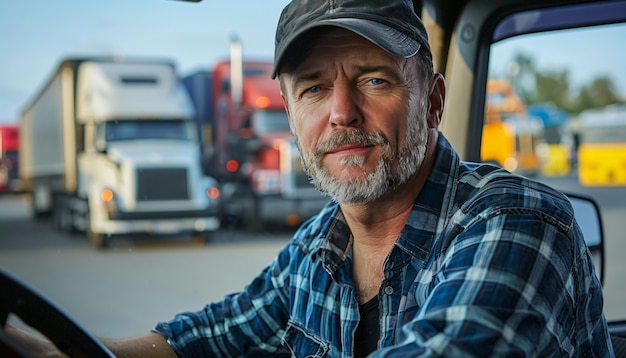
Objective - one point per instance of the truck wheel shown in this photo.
(98, 241)
(37, 213)
(41, 202)
(63, 216)
(202, 238)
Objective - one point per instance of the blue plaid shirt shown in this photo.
(488, 264)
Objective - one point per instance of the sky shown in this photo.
(586, 53)
(37, 34)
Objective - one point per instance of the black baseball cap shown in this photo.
(393, 25)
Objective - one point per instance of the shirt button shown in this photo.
(388, 290)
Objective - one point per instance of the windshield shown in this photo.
(149, 272)
(148, 129)
(270, 121)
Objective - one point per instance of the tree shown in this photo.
(533, 86)
(601, 92)
(521, 75)
(553, 86)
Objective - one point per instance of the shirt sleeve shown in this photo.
(249, 323)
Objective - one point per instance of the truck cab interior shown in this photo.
(466, 37)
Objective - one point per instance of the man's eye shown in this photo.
(314, 89)
(376, 81)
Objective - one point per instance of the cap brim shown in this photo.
(385, 37)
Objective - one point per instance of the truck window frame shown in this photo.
(482, 23)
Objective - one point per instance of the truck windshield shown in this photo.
(149, 129)
(270, 121)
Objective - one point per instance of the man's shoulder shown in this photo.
(485, 187)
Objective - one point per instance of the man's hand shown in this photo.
(149, 345)
(35, 344)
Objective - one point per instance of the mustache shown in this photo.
(350, 136)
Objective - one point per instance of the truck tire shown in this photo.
(63, 215)
(38, 214)
(41, 202)
(98, 241)
(202, 238)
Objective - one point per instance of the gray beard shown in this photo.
(390, 171)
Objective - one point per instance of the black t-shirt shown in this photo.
(368, 330)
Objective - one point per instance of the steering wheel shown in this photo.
(35, 310)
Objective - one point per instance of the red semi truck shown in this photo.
(9, 144)
(247, 144)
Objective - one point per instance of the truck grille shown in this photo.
(162, 184)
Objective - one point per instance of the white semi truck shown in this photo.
(109, 147)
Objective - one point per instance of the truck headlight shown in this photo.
(213, 193)
(211, 188)
(108, 198)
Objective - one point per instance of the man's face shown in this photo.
(358, 115)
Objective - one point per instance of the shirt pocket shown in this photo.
(303, 344)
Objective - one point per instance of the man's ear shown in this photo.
(436, 99)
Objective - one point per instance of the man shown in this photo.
(419, 254)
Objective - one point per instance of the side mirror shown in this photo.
(587, 214)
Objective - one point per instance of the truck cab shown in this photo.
(109, 148)
(250, 148)
(9, 145)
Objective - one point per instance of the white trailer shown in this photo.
(109, 147)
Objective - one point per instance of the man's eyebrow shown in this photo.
(371, 68)
(385, 69)
(304, 77)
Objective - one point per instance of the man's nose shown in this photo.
(345, 108)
